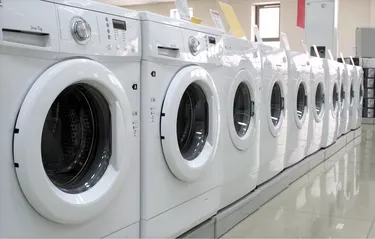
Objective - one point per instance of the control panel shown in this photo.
(116, 35)
(94, 33)
(186, 43)
(203, 47)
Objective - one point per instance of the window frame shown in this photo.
(258, 7)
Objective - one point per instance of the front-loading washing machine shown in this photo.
(69, 129)
(358, 97)
(340, 101)
(180, 116)
(239, 100)
(350, 75)
(331, 99)
(273, 112)
(317, 105)
(344, 101)
(298, 110)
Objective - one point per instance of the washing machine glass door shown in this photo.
(276, 103)
(342, 96)
(241, 110)
(190, 123)
(335, 100)
(301, 103)
(351, 93)
(319, 101)
(361, 89)
(72, 141)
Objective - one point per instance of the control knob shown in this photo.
(81, 30)
(194, 46)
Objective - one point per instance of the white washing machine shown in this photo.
(350, 74)
(273, 112)
(69, 132)
(239, 100)
(358, 97)
(344, 101)
(332, 102)
(317, 104)
(340, 100)
(181, 118)
(298, 110)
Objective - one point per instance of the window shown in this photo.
(267, 18)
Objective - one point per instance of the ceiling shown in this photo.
(132, 2)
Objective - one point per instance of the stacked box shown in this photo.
(368, 97)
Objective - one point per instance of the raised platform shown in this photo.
(230, 216)
(368, 120)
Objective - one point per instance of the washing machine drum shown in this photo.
(351, 93)
(277, 104)
(342, 96)
(192, 122)
(190, 128)
(301, 101)
(361, 93)
(68, 164)
(242, 109)
(319, 101)
(76, 139)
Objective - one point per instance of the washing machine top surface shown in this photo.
(187, 42)
(149, 16)
(297, 58)
(239, 52)
(98, 7)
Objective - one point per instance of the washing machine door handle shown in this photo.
(305, 100)
(323, 98)
(282, 103)
(252, 108)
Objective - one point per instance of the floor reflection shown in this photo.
(337, 202)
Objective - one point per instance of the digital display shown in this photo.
(212, 40)
(120, 25)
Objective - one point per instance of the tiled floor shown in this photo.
(334, 200)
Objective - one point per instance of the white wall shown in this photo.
(352, 14)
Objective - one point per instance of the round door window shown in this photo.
(319, 99)
(335, 97)
(242, 109)
(192, 122)
(76, 139)
(301, 101)
(351, 93)
(342, 96)
(71, 165)
(277, 104)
